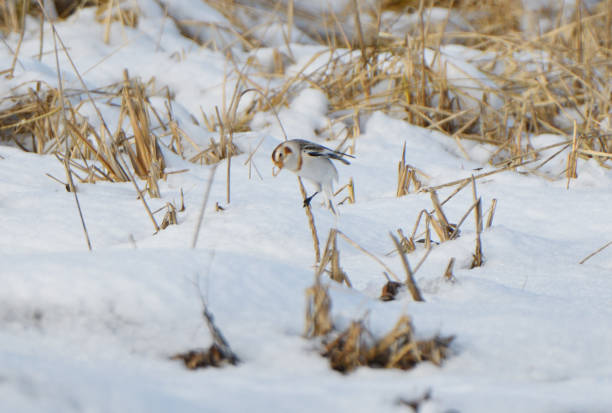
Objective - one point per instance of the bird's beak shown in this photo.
(275, 170)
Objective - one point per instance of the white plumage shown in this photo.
(310, 161)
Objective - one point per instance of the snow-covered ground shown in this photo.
(93, 331)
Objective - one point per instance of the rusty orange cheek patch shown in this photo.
(299, 160)
(278, 164)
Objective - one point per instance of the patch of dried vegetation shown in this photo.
(553, 81)
(530, 80)
(356, 346)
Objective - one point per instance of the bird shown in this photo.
(311, 161)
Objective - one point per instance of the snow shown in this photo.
(94, 331)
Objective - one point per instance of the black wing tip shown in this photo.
(316, 153)
(338, 156)
(342, 155)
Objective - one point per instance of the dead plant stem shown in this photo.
(595, 252)
(196, 233)
(369, 254)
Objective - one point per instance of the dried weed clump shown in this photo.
(12, 15)
(197, 359)
(356, 346)
(393, 57)
(43, 121)
(219, 352)
(318, 310)
(331, 257)
(30, 120)
(524, 82)
(12, 12)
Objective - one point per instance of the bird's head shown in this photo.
(283, 155)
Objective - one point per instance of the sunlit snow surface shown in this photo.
(93, 331)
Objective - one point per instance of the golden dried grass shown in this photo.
(410, 282)
(34, 122)
(197, 359)
(121, 11)
(331, 257)
(31, 120)
(318, 310)
(356, 346)
(12, 15)
(350, 189)
(406, 175)
(218, 354)
(435, 221)
(448, 273)
(542, 82)
(389, 73)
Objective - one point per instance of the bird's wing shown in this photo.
(314, 149)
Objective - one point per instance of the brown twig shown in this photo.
(410, 282)
(196, 233)
(595, 252)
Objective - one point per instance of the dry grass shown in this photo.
(145, 154)
(218, 354)
(428, 223)
(448, 273)
(595, 252)
(544, 81)
(311, 223)
(331, 257)
(10, 16)
(356, 346)
(34, 122)
(406, 175)
(30, 120)
(553, 81)
(350, 189)
(436, 218)
(436, 222)
(391, 289)
(197, 359)
(318, 310)
(44, 121)
(171, 214)
(410, 282)
(47, 120)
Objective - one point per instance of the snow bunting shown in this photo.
(310, 161)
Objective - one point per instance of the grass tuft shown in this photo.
(318, 310)
(197, 359)
(356, 347)
(331, 257)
